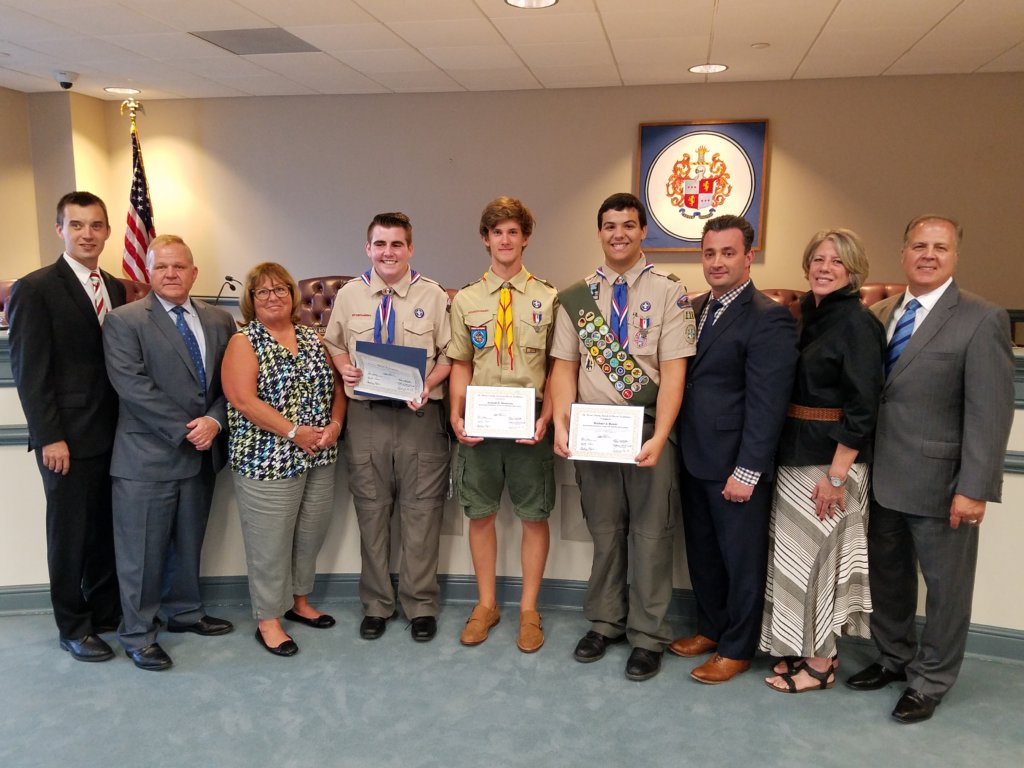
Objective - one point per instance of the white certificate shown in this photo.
(508, 412)
(605, 432)
(386, 378)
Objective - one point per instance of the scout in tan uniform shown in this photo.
(501, 330)
(622, 337)
(395, 448)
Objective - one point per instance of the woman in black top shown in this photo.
(817, 585)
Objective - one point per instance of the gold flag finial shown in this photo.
(131, 106)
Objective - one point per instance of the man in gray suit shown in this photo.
(943, 424)
(163, 357)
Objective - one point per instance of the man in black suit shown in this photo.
(56, 314)
(733, 409)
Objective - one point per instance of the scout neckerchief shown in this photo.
(385, 317)
(604, 349)
(503, 323)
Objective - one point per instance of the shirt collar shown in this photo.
(517, 281)
(81, 271)
(631, 275)
(377, 284)
(168, 306)
(927, 300)
(729, 297)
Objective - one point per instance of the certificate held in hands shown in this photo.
(390, 370)
(504, 412)
(605, 432)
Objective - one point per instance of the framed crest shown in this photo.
(686, 173)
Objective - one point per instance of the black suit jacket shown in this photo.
(57, 360)
(737, 388)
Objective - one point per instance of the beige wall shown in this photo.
(17, 187)
(296, 179)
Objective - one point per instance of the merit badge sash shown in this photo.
(629, 380)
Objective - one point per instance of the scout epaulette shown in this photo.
(629, 380)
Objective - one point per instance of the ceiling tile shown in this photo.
(308, 12)
(317, 71)
(577, 76)
(434, 81)
(420, 10)
(535, 28)
(569, 54)
(349, 37)
(386, 60)
(629, 25)
(438, 34)
(167, 46)
(195, 15)
(503, 79)
(473, 57)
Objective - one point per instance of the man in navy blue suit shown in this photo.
(734, 406)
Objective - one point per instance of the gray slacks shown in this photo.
(897, 543)
(284, 523)
(625, 505)
(398, 455)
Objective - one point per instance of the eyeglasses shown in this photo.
(278, 290)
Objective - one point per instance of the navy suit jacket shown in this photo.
(150, 367)
(57, 360)
(737, 388)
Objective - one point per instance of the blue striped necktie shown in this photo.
(191, 344)
(901, 335)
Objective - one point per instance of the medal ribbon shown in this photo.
(384, 318)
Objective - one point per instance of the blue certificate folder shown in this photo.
(411, 356)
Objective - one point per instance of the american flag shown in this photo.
(139, 232)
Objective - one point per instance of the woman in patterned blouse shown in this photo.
(286, 407)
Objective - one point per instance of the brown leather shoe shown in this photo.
(719, 669)
(531, 634)
(479, 624)
(696, 645)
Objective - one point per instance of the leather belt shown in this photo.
(806, 413)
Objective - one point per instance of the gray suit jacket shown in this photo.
(158, 386)
(946, 408)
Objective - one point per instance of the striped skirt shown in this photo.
(817, 585)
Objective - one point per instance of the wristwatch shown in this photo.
(292, 432)
(837, 482)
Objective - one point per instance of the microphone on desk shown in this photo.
(229, 282)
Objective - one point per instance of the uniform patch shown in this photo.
(419, 312)
(683, 302)
(536, 303)
(645, 306)
(595, 290)
(478, 335)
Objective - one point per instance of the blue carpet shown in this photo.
(343, 701)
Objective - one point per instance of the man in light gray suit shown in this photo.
(163, 357)
(943, 424)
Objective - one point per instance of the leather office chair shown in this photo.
(134, 290)
(316, 299)
(5, 296)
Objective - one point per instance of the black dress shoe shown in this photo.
(873, 677)
(592, 646)
(372, 627)
(206, 626)
(424, 628)
(323, 621)
(914, 706)
(151, 658)
(643, 664)
(287, 648)
(88, 648)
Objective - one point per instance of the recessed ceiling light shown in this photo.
(708, 69)
(122, 91)
(531, 3)
(760, 46)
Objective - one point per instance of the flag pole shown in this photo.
(139, 230)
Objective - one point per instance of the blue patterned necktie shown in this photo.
(384, 320)
(191, 344)
(709, 317)
(620, 311)
(901, 335)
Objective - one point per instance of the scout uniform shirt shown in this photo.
(474, 318)
(661, 327)
(419, 318)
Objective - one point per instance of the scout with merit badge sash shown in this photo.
(608, 348)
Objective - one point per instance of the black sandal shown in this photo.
(826, 680)
(793, 665)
